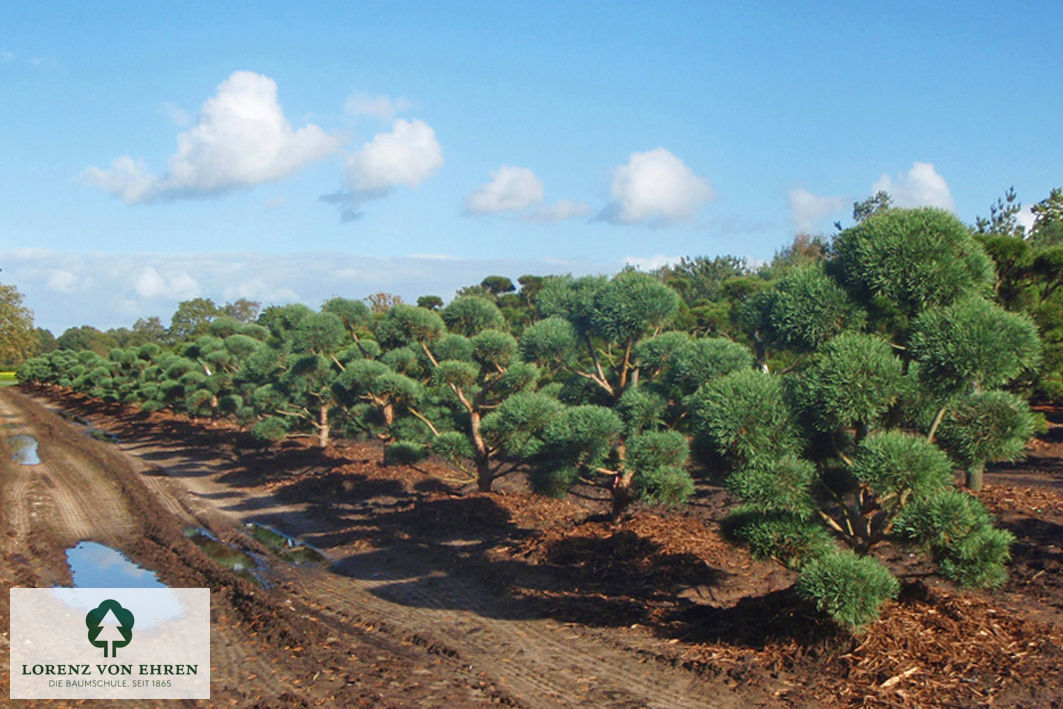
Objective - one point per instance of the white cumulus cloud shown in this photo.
(241, 138)
(1026, 218)
(510, 189)
(657, 188)
(921, 186)
(806, 209)
(407, 155)
(518, 191)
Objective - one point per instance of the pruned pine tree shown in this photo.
(474, 371)
(598, 339)
(385, 394)
(842, 447)
(965, 351)
(593, 324)
(301, 394)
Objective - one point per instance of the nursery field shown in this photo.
(433, 594)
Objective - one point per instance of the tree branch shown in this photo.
(937, 422)
(598, 367)
(431, 357)
(462, 398)
(418, 414)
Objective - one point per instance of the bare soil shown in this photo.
(436, 595)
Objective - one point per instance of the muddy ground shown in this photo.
(435, 595)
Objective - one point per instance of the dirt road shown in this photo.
(391, 621)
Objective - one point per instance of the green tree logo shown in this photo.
(111, 625)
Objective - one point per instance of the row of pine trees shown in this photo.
(835, 399)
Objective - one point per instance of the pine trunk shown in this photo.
(484, 476)
(322, 426)
(622, 496)
(976, 477)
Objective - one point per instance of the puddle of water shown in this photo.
(100, 435)
(74, 417)
(94, 565)
(24, 449)
(224, 555)
(287, 548)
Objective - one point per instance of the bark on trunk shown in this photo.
(484, 477)
(976, 477)
(621, 494)
(322, 426)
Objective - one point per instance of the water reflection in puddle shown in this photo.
(100, 435)
(94, 565)
(24, 449)
(288, 548)
(224, 555)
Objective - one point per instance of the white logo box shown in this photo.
(53, 655)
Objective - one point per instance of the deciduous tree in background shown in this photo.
(17, 337)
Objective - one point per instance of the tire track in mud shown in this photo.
(22, 490)
(532, 661)
(86, 504)
(176, 500)
(252, 641)
(540, 661)
(240, 666)
(18, 490)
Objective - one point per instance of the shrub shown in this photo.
(405, 453)
(849, 588)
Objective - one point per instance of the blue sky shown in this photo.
(285, 152)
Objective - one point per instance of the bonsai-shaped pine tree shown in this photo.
(593, 325)
(473, 372)
(384, 393)
(599, 340)
(964, 351)
(596, 444)
(640, 453)
(987, 426)
(479, 385)
(301, 392)
(820, 457)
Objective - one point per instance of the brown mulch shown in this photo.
(1028, 500)
(646, 543)
(949, 650)
(931, 648)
